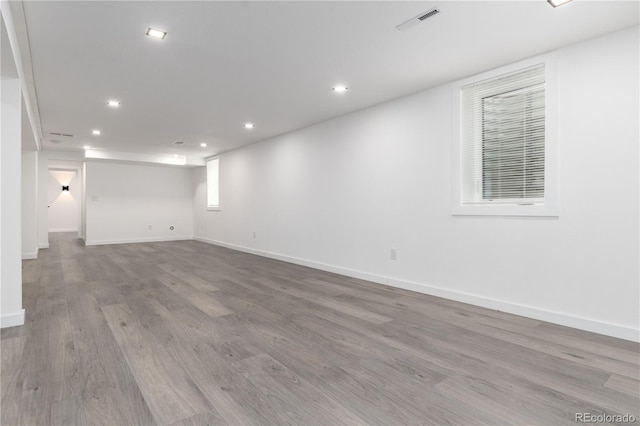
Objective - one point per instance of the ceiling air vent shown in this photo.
(67, 135)
(178, 143)
(417, 19)
(429, 14)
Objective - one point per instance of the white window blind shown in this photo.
(213, 184)
(503, 139)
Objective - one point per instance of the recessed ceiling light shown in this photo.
(204, 145)
(96, 132)
(156, 34)
(113, 103)
(556, 3)
(86, 147)
(248, 125)
(340, 89)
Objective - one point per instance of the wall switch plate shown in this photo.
(150, 227)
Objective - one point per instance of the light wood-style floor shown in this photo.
(185, 333)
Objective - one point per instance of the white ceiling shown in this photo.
(271, 63)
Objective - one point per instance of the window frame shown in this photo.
(212, 207)
(550, 205)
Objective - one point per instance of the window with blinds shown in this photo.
(503, 139)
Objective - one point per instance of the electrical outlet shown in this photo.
(150, 227)
(254, 235)
(393, 254)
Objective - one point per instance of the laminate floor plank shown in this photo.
(170, 396)
(525, 329)
(202, 419)
(110, 394)
(10, 385)
(420, 395)
(186, 333)
(525, 338)
(68, 412)
(338, 286)
(31, 271)
(229, 392)
(274, 378)
(192, 280)
(206, 302)
(328, 302)
(623, 384)
(539, 367)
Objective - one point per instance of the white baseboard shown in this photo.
(43, 245)
(12, 320)
(136, 240)
(30, 256)
(595, 326)
(63, 230)
(587, 324)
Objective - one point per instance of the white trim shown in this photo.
(64, 230)
(12, 320)
(299, 261)
(43, 245)
(595, 326)
(136, 240)
(30, 256)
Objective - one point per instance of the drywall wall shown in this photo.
(64, 206)
(29, 213)
(135, 203)
(11, 312)
(341, 194)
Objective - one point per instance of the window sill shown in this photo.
(505, 210)
(214, 209)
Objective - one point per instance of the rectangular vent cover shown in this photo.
(417, 19)
(67, 135)
(429, 14)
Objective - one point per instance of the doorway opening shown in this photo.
(64, 198)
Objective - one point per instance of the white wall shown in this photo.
(64, 206)
(11, 312)
(29, 205)
(123, 200)
(339, 195)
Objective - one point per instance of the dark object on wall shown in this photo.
(65, 187)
